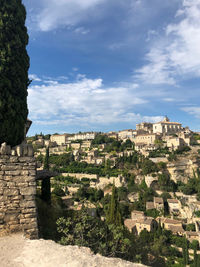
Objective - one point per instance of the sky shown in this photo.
(105, 65)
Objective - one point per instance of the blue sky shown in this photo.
(101, 65)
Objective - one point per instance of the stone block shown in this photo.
(27, 159)
(23, 185)
(32, 183)
(33, 210)
(11, 192)
(29, 179)
(29, 197)
(11, 184)
(32, 172)
(10, 217)
(13, 152)
(19, 150)
(14, 159)
(28, 191)
(5, 150)
(13, 173)
(27, 204)
(30, 151)
(25, 150)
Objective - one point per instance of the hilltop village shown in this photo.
(155, 169)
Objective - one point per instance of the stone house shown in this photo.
(82, 136)
(174, 142)
(174, 206)
(148, 139)
(59, 139)
(92, 153)
(146, 223)
(139, 222)
(190, 235)
(170, 224)
(136, 214)
(112, 135)
(130, 224)
(157, 203)
(75, 145)
(86, 144)
(150, 205)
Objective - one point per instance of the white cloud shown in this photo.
(34, 77)
(85, 102)
(81, 30)
(64, 13)
(193, 111)
(176, 55)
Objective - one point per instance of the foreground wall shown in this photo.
(17, 191)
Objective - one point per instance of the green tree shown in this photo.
(84, 230)
(195, 256)
(14, 65)
(185, 252)
(113, 215)
(46, 184)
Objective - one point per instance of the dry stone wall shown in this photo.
(17, 190)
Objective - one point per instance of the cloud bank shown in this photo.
(176, 55)
(85, 102)
(65, 13)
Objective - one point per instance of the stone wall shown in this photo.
(17, 191)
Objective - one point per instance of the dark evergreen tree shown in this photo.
(185, 252)
(195, 256)
(113, 215)
(14, 65)
(46, 184)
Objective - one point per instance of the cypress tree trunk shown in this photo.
(14, 65)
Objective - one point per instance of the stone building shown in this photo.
(127, 134)
(174, 206)
(157, 203)
(82, 136)
(167, 127)
(59, 139)
(146, 139)
(144, 127)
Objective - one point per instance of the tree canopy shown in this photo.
(14, 65)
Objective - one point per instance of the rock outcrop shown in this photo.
(183, 168)
(16, 251)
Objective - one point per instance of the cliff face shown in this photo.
(183, 168)
(16, 251)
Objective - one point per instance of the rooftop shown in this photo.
(172, 200)
(158, 200)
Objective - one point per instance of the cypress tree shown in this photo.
(46, 184)
(14, 65)
(195, 256)
(185, 251)
(113, 215)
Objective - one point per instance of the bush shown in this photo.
(58, 191)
